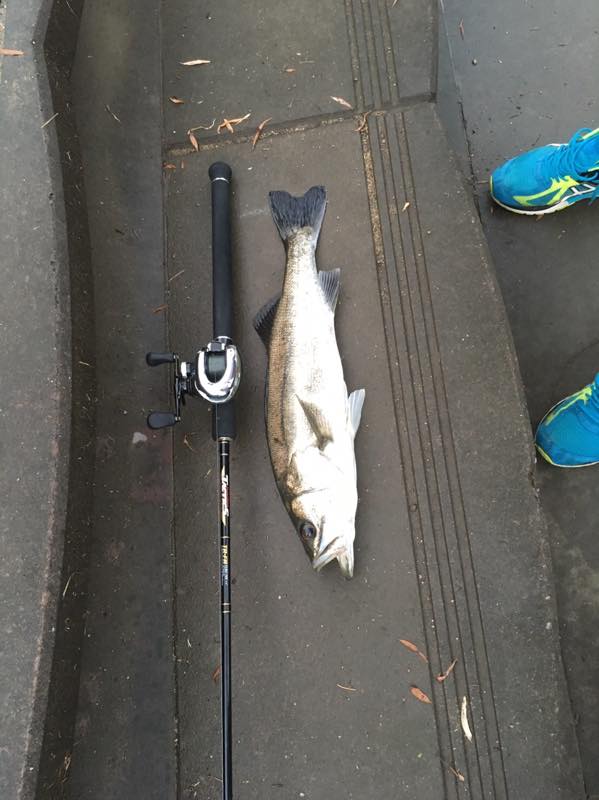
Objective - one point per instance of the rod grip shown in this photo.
(222, 278)
(223, 421)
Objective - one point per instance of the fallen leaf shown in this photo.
(216, 674)
(188, 445)
(363, 121)
(194, 63)
(67, 584)
(6, 52)
(48, 121)
(158, 309)
(170, 166)
(347, 688)
(176, 101)
(193, 140)
(203, 127)
(228, 123)
(290, 69)
(447, 672)
(464, 719)
(461, 28)
(394, 4)
(111, 112)
(453, 771)
(412, 647)
(419, 695)
(64, 768)
(406, 205)
(341, 101)
(259, 130)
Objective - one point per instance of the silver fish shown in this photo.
(311, 422)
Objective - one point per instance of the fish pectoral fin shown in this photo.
(264, 319)
(354, 409)
(318, 422)
(329, 283)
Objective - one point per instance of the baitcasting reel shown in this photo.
(214, 375)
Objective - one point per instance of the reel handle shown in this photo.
(156, 359)
(161, 419)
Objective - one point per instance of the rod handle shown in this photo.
(222, 278)
(223, 421)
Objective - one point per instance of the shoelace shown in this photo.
(567, 161)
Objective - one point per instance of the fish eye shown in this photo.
(307, 531)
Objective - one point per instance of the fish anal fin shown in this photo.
(329, 283)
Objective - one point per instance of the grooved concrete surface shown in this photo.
(535, 82)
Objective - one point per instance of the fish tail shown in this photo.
(292, 214)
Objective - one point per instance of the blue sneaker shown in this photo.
(549, 178)
(568, 435)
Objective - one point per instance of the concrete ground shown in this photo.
(452, 551)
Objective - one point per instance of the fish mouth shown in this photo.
(337, 549)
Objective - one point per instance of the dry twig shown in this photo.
(259, 130)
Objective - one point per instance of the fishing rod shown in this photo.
(214, 375)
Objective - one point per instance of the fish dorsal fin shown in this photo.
(318, 422)
(329, 283)
(264, 319)
(354, 409)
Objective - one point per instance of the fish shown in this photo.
(311, 420)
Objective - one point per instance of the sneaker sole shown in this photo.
(538, 211)
(563, 466)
